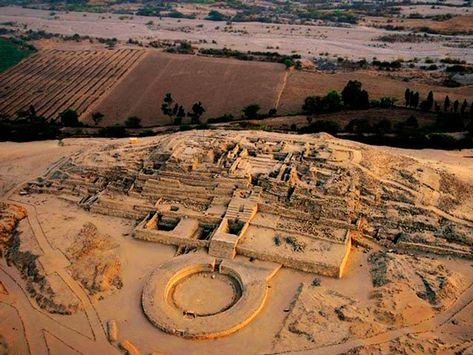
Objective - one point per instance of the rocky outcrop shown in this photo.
(10, 215)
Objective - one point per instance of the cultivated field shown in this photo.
(55, 80)
(222, 85)
(302, 84)
(123, 83)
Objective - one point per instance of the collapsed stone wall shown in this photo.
(307, 266)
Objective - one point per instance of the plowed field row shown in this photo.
(55, 80)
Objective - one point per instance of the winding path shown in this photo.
(37, 321)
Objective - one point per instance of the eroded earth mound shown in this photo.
(94, 260)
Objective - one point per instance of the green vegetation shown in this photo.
(12, 51)
(133, 122)
(214, 15)
(273, 57)
(70, 118)
(250, 112)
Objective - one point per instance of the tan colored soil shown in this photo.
(223, 86)
(340, 315)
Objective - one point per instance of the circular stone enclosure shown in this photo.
(204, 294)
(187, 297)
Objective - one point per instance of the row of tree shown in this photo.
(411, 98)
(176, 112)
(352, 97)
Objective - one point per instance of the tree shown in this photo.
(250, 112)
(430, 101)
(446, 103)
(197, 111)
(464, 106)
(364, 101)
(414, 100)
(407, 96)
(332, 101)
(383, 126)
(359, 126)
(166, 106)
(331, 127)
(28, 115)
(133, 122)
(179, 113)
(318, 104)
(69, 118)
(427, 104)
(411, 121)
(97, 117)
(351, 93)
(312, 104)
(354, 97)
(456, 104)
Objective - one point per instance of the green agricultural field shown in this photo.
(12, 51)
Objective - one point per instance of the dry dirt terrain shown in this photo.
(354, 42)
(122, 83)
(456, 24)
(223, 86)
(252, 242)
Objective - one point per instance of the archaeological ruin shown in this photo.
(239, 206)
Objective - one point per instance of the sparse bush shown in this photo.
(70, 118)
(133, 122)
(330, 127)
(115, 131)
(250, 112)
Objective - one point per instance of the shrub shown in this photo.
(133, 122)
(330, 127)
(115, 131)
(221, 119)
(250, 112)
(359, 126)
(442, 141)
(70, 118)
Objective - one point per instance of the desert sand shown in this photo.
(278, 231)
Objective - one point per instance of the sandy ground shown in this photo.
(459, 162)
(60, 220)
(352, 42)
(427, 10)
(27, 160)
